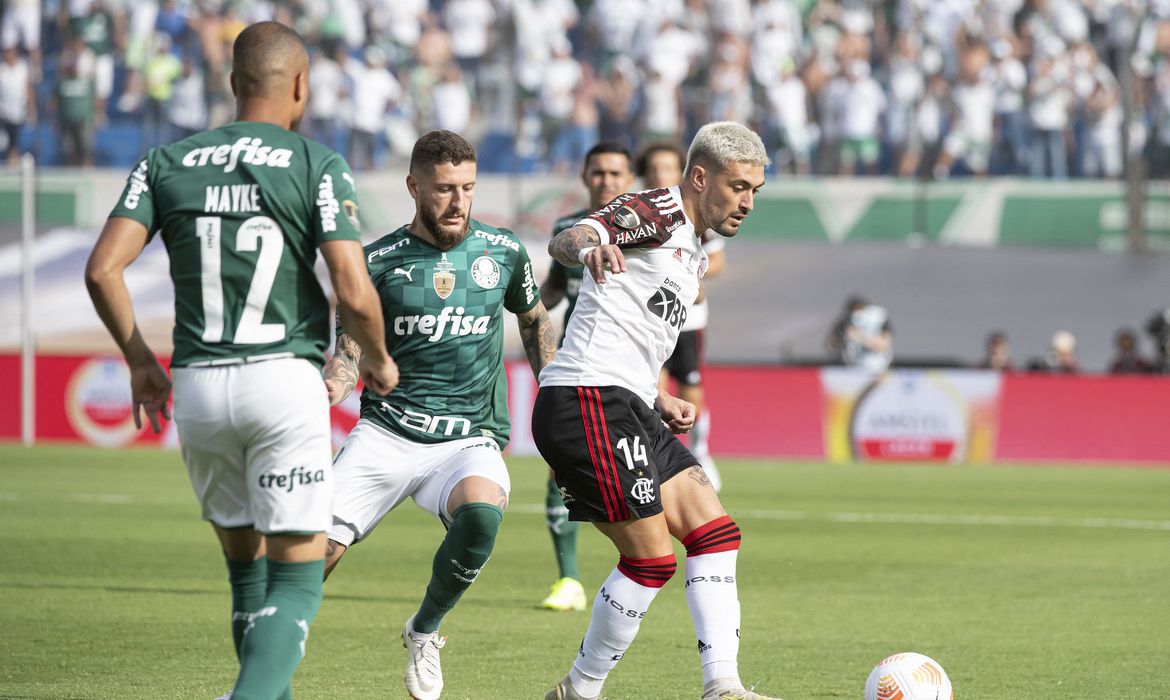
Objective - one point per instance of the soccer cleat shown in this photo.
(225, 696)
(564, 690)
(712, 472)
(424, 677)
(565, 594)
(730, 689)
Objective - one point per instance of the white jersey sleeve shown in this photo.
(621, 332)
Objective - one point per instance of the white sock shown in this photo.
(617, 614)
(700, 432)
(713, 600)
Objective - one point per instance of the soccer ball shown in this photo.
(908, 676)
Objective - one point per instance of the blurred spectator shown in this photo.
(453, 106)
(94, 24)
(863, 336)
(862, 103)
(562, 75)
(470, 23)
(660, 162)
(1061, 357)
(618, 102)
(20, 27)
(1048, 109)
(75, 103)
(969, 140)
(1128, 360)
(1009, 80)
(18, 101)
(187, 108)
(788, 111)
(997, 353)
(1159, 329)
(159, 74)
(906, 86)
(375, 93)
(327, 93)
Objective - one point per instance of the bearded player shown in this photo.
(445, 280)
(604, 426)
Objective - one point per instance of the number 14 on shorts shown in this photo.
(635, 452)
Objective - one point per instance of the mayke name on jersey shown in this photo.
(436, 326)
(232, 198)
(245, 150)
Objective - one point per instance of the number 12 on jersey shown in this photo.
(257, 233)
(636, 453)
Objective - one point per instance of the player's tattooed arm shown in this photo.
(696, 472)
(341, 371)
(536, 332)
(567, 245)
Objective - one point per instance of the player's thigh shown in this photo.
(595, 440)
(470, 470)
(688, 499)
(282, 411)
(213, 453)
(643, 538)
(374, 471)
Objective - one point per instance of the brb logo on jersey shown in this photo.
(245, 150)
(666, 305)
(435, 327)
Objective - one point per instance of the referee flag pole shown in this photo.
(28, 222)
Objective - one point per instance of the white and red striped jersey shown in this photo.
(621, 332)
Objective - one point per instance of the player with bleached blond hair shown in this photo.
(607, 430)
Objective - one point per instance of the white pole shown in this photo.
(28, 223)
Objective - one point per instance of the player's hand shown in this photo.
(150, 390)
(380, 375)
(678, 415)
(601, 257)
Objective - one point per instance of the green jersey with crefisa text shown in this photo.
(444, 328)
(241, 210)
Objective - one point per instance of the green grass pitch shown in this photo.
(1024, 583)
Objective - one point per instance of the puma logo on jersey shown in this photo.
(244, 150)
(446, 323)
(408, 274)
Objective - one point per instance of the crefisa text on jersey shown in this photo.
(245, 150)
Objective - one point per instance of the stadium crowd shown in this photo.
(926, 87)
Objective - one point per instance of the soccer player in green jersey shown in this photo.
(243, 210)
(606, 174)
(445, 280)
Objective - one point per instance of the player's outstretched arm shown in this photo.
(536, 332)
(341, 371)
(120, 244)
(581, 245)
(361, 312)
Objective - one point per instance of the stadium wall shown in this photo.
(832, 414)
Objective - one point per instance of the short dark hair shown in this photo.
(642, 162)
(262, 55)
(603, 148)
(438, 147)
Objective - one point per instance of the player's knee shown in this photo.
(477, 525)
(718, 535)
(652, 573)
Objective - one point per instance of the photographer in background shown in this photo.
(1159, 328)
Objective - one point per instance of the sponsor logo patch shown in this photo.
(626, 218)
(444, 277)
(485, 272)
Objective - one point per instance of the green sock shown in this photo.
(249, 580)
(461, 555)
(563, 531)
(274, 640)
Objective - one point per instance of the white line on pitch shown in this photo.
(99, 497)
(927, 519)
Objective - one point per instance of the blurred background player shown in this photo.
(606, 174)
(608, 431)
(242, 210)
(444, 280)
(661, 165)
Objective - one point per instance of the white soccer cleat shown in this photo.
(730, 689)
(711, 471)
(225, 696)
(564, 690)
(565, 594)
(424, 677)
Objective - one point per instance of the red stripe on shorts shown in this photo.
(586, 420)
(623, 511)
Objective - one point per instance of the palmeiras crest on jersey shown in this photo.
(485, 272)
(444, 277)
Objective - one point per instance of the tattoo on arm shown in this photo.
(343, 366)
(696, 472)
(540, 341)
(568, 243)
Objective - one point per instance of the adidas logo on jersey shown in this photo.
(245, 150)
(435, 327)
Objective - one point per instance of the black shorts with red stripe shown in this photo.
(609, 451)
